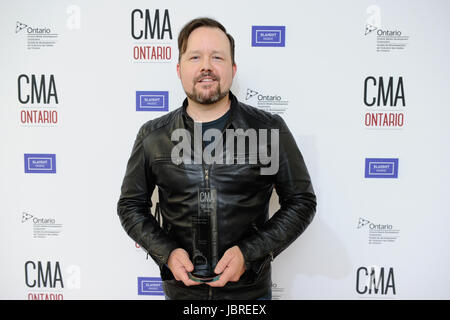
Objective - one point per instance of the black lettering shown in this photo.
(390, 283)
(400, 93)
(44, 278)
(148, 24)
(58, 276)
(385, 95)
(19, 88)
(358, 280)
(33, 284)
(132, 24)
(166, 25)
(366, 102)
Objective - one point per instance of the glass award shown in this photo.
(204, 229)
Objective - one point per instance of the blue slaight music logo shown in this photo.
(152, 100)
(40, 163)
(268, 36)
(150, 286)
(381, 168)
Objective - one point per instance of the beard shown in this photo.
(210, 96)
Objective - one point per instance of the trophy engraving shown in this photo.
(204, 228)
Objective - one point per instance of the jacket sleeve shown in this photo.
(297, 206)
(134, 205)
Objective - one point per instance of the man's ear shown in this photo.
(178, 70)
(234, 69)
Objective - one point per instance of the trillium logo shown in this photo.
(250, 94)
(369, 29)
(362, 222)
(26, 217)
(20, 26)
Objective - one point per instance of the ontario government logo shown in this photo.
(38, 37)
(43, 227)
(273, 103)
(384, 99)
(378, 233)
(152, 101)
(268, 36)
(388, 39)
(151, 32)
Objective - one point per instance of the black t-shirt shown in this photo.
(215, 124)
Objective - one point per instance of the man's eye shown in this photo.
(217, 57)
(194, 58)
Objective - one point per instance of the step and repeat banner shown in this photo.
(362, 85)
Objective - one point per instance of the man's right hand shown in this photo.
(180, 264)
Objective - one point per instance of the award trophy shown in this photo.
(204, 228)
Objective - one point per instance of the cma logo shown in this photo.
(382, 92)
(37, 89)
(153, 26)
(375, 281)
(49, 275)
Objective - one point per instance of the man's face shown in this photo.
(206, 69)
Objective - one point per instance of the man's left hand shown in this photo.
(231, 267)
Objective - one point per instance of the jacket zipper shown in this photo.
(206, 170)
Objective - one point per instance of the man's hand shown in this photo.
(232, 266)
(180, 264)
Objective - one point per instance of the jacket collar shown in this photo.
(237, 118)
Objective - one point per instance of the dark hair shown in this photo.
(197, 23)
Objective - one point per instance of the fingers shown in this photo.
(185, 278)
(183, 258)
(223, 262)
(224, 278)
(231, 267)
(180, 264)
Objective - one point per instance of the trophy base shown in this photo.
(203, 279)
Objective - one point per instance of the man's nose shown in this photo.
(206, 64)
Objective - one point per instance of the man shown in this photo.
(243, 238)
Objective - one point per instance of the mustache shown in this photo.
(206, 74)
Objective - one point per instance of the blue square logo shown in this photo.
(268, 36)
(150, 286)
(152, 101)
(40, 163)
(381, 168)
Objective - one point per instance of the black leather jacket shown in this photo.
(243, 196)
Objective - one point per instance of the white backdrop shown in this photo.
(372, 237)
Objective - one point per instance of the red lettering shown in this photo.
(400, 119)
(23, 116)
(152, 53)
(384, 120)
(54, 116)
(39, 117)
(45, 296)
